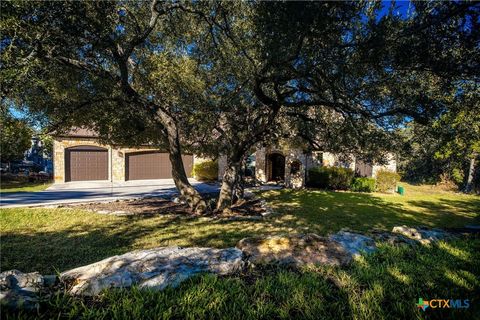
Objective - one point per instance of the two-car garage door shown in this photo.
(86, 163)
(152, 165)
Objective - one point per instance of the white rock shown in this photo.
(120, 213)
(423, 235)
(354, 243)
(155, 268)
(18, 290)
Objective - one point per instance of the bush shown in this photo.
(363, 185)
(317, 178)
(334, 178)
(387, 180)
(10, 177)
(205, 171)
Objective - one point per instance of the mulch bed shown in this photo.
(251, 207)
(142, 206)
(152, 206)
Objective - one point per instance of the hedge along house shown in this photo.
(291, 165)
(79, 156)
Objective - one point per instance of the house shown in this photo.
(79, 156)
(291, 165)
(38, 156)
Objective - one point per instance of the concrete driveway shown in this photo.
(72, 192)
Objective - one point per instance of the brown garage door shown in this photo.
(152, 165)
(86, 163)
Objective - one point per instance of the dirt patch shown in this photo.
(254, 207)
(144, 206)
(250, 209)
(246, 209)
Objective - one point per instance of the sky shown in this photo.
(402, 10)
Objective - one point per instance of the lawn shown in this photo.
(21, 186)
(324, 212)
(383, 285)
(44, 239)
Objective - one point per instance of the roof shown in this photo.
(79, 132)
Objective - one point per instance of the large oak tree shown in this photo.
(220, 77)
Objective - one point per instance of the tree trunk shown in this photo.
(187, 192)
(239, 189)
(229, 183)
(471, 173)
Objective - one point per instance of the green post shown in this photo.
(401, 190)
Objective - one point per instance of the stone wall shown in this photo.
(293, 157)
(260, 168)
(307, 161)
(334, 160)
(118, 165)
(328, 159)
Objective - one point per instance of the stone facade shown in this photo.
(260, 157)
(297, 164)
(116, 157)
(59, 146)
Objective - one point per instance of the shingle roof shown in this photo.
(79, 132)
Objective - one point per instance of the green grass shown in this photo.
(384, 285)
(43, 239)
(17, 186)
(323, 212)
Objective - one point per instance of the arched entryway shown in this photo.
(276, 167)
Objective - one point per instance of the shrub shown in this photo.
(363, 185)
(387, 180)
(446, 183)
(334, 178)
(10, 177)
(317, 178)
(205, 171)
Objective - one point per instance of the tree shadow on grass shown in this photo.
(74, 246)
(325, 212)
(445, 211)
(400, 276)
(385, 285)
(300, 212)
